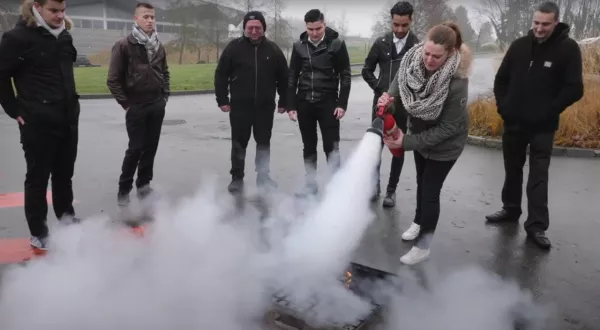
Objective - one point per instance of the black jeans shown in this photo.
(514, 145)
(246, 120)
(48, 151)
(431, 175)
(397, 162)
(144, 125)
(309, 115)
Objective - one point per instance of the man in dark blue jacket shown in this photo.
(252, 68)
(38, 54)
(387, 52)
(539, 77)
(319, 87)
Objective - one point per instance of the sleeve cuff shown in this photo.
(409, 142)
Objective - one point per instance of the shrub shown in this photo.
(579, 124)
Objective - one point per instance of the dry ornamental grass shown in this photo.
(579, 124)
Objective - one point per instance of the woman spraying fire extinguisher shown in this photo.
(432, 85)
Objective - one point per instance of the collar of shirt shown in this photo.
(400, 42)
(316, 43)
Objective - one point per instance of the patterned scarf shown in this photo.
(151, 43)
(423, 97)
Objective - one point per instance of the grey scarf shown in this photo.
(151, 43)
(423, 97)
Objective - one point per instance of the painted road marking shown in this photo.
(16, 250)
(18, 199)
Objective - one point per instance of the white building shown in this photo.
(99, 23)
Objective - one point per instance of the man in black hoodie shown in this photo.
(319, 87)
(387, 52)
(252, 68)
(38, 55)
(539, 77)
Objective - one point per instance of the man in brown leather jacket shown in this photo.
(139, 80)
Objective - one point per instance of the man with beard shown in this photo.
(139, 79)
(38, 55)
(319, 87)
(539, 77)
(387, 52)
(253, 68)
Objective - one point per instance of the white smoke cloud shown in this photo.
(202, 265)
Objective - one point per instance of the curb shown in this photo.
(556, 150)
(174, 93)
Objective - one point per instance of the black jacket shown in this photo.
(383, 53)
(536, 82)
(316, 72)
(252, 73)
(41, 66)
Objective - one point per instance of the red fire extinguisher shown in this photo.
(390, 130)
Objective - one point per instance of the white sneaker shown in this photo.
(412, 232)
(414, 256)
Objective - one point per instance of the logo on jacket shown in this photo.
(548, 64)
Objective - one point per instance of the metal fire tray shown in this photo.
(356, 277)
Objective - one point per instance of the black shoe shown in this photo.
(539, 238)
(123, 199)
(308, 189)
(236, 186)
(390, 199)
(376, 193)
(144, 192)
(264, 181)
(503, 216)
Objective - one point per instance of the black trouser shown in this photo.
(48, 151)
(249, 119)
(514, 145)
(321, 112)
(431, 175)
(397, 162)
(144, 124)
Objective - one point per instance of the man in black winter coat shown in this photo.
(319, 87)
(252, 68)
(539, 77)
(38, 55)
(387, 52)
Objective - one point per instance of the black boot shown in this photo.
(236, 185)
(503, 216)
(376, 193)
(539, 238)
(390, 199)
(264, 181)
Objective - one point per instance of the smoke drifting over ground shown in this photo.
(202, 265)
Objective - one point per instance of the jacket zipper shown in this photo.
(391, 61)
(312, 75)
(255, 73)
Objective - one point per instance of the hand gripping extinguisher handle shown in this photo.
(381, 110)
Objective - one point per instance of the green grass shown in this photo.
(357, 54)
(186, 77)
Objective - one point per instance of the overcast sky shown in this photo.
(360, 14)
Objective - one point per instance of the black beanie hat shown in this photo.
(255, 15)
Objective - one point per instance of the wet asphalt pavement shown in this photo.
(195, 140)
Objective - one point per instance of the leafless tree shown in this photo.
(510, 19)
(427, 13)
(278, 30)
(462, 19)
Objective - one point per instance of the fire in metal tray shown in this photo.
(357, 278)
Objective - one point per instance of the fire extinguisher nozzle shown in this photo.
(376, 127)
